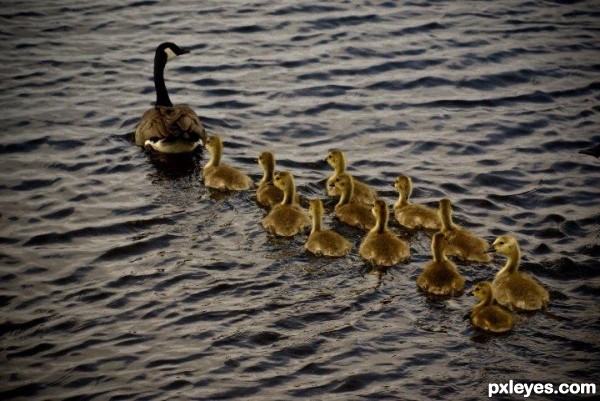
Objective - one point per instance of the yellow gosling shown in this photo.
(409, 214)
(461, 243)
(488, 316)
(440, 276)
(286, 218)
(324, 242)
(222, 176)
(347, 209)
(381, 247)
(513, 288)
(267, 194)
(362, 192)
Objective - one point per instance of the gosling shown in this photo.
(440, 276)
(222, 176)
(513, 288)
(461, 243)
(409, 214)
(381, 247)
(324, 242)
(267, 194)
(488, 316)
(287, 218)
(347, 209)
(362, 192)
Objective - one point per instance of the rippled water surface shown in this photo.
(123, 277)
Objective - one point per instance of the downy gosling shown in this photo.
(488, 316)
(362, 192)
(267, 194)
(222, 176)
(381, 247)
(169, 128)
(324, 242)
(513, 288)
(347, 209)
(286, 218)
(409, 214)
(440, 276)
(461, 243)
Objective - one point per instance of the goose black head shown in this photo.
(167, 51)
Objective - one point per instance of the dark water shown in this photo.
(125, 279)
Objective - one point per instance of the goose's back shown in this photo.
(179, 121)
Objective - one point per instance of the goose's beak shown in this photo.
(185, 51)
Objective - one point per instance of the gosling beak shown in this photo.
(470, 291)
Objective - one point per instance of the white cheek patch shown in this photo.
(170, 54)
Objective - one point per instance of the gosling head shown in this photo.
(167, 51)
(213, 143)
(316, 208)
(482, 290)
(281, 178)
(266, 160)
(439, 241)
(445, 206)
(506, 245)
(403, 184)
(335, 158)
(379, 207)
(342, 182)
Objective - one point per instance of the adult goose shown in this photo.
(169, 128)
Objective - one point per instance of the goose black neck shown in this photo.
(162, 96)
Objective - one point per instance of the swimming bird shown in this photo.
(348, 210)
(222, 176)
(380, 246)
(461, 243)
(488, 316)
(513, 288)
(324, 242)
(169, 128)
(440, 276)
(362, 192)
(267, 194)
(286, 218)
(409, 214)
